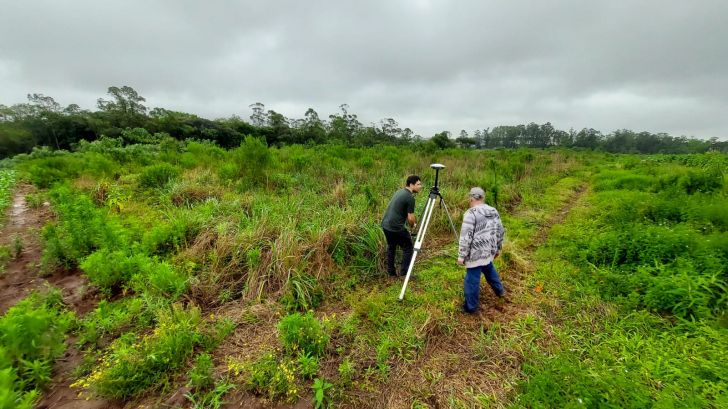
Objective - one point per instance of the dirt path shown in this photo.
(557, 218)
(22, 276)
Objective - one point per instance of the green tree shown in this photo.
(442, 140)
(125, 108)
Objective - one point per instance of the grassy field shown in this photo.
(260, 272)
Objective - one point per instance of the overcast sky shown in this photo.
(658, 66)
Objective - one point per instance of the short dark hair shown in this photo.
(412, 180)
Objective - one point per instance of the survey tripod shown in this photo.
(429, 207)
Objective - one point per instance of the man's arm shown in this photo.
(466, 237)
(500, 234)
(411, 220)
(411, 213)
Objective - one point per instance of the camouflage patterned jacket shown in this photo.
(481, 236)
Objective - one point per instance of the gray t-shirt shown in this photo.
(403, 202)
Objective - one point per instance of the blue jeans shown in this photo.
(472, 285)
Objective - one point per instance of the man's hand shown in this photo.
(496, 256)
(461, 262)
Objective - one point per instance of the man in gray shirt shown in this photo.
(481, 240)
(401, 209)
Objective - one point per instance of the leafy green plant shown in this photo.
(303, 293)
(268, 376)
(31, 337)
(16, 245)
(303, 333)
(7, 183)
(201, 374)
(159, 175)
(34, 201)
(308, 365)
(321, 393)
(346, 371)
(211, 399)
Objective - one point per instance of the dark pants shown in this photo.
(402, 239)
(472, 285)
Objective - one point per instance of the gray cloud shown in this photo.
(432, 65)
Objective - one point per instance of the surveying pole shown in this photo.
(429, 207)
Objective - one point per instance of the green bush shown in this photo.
(701, 182)
(31, 337)
(626, 182)
(47, 171)
(268, 376)
(303, 333)
(201, 374)
(81, 228)
(228, 173)
(110, 270)
(7, 183)
(158, 176)
(366, 162)
(303, 293)
(254, 159)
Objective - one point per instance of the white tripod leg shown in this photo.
(429, 207)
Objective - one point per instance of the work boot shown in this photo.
(503, 297)
(412, 276)
(465, 311)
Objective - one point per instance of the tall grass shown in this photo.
(299, 226)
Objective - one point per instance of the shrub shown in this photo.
(228, 173)
(268, 376)
(308, 365)
(700, 181)
(34, 201)
(253, 159)
(47, 171)
(110, 270)
(159, 175)
(303, 333)
(201, 374)
(366, 162)
(81, 228)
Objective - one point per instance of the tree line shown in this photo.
(44, 122)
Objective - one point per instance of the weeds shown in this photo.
(16, 245)
(201, 374)
(136, 363)
(31, 337)
(303, 333)
(321, 395)
(150, 223)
